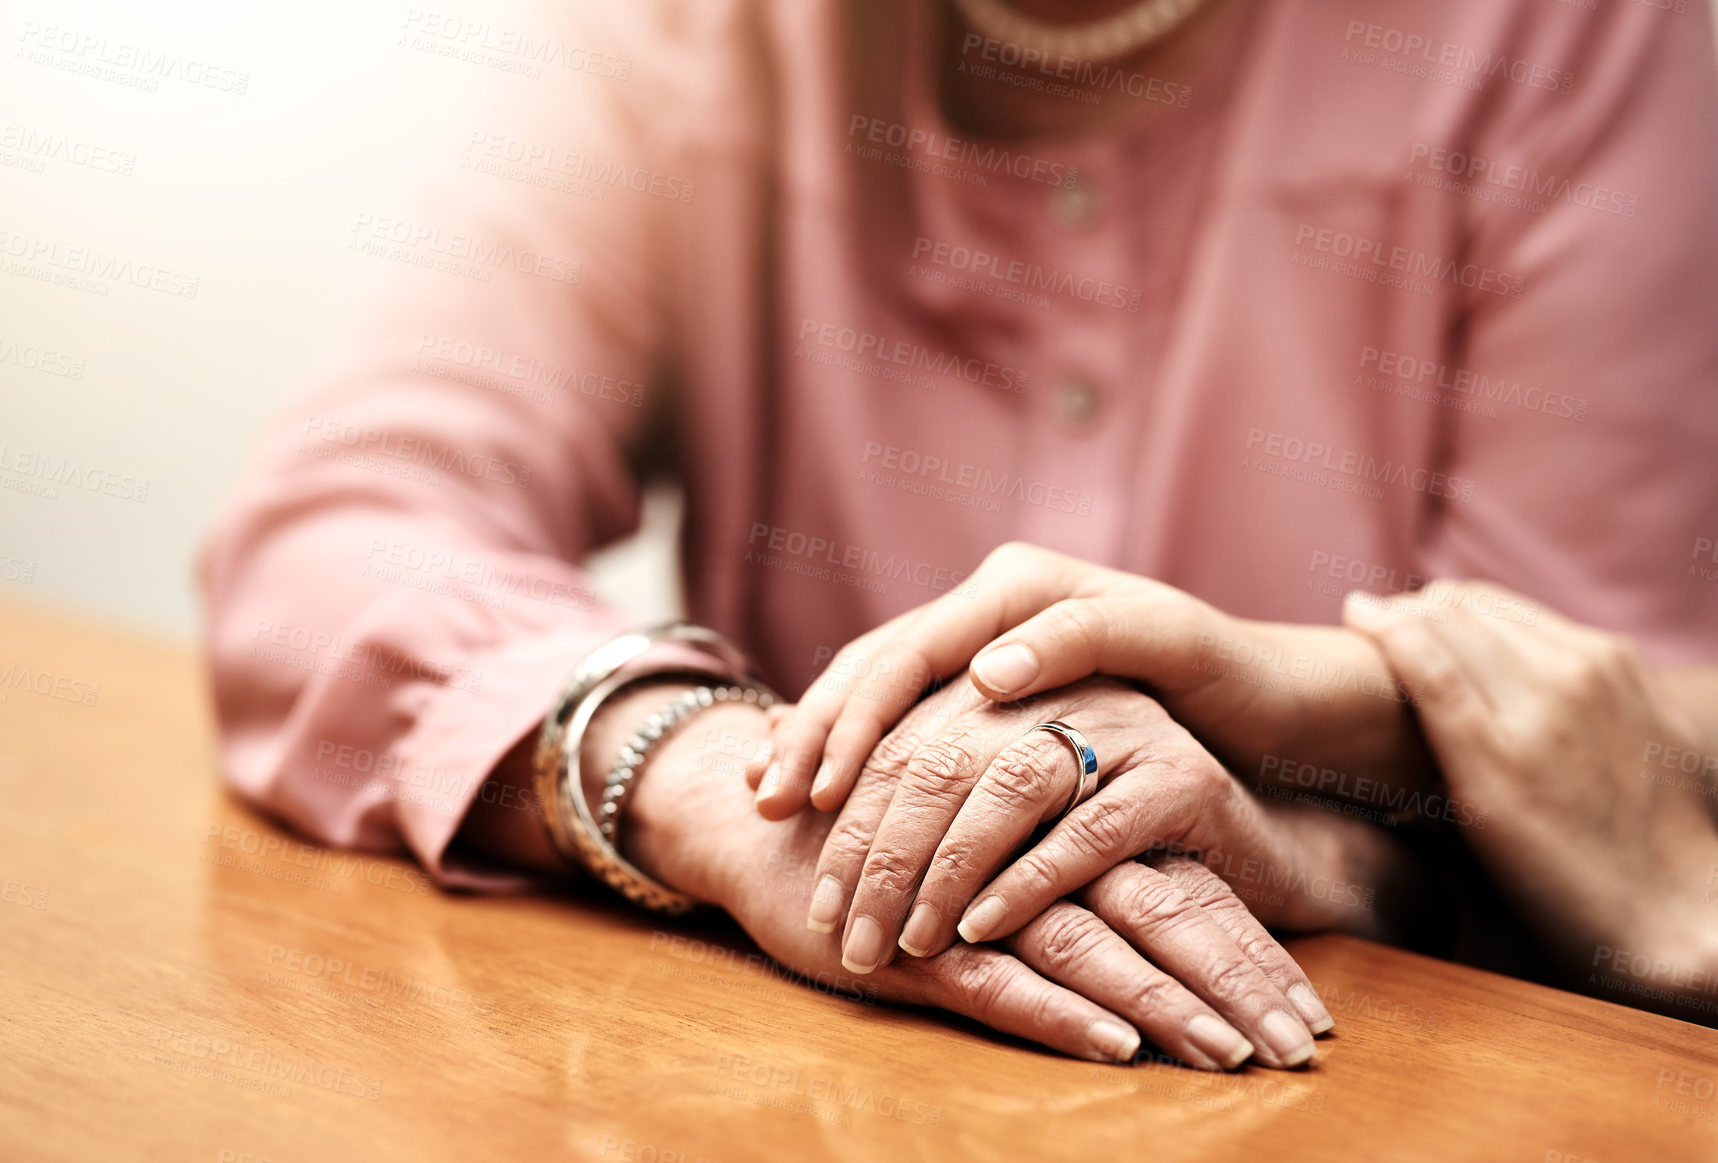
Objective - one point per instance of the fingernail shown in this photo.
(1111, 1041)
(1286, 1037)
(864, 949)
(769, 783)
(981, 918)
(825, 906)
(1220, 1040)
(921, 929)
(1312, 1010)
(1007, 668)
(825, 777)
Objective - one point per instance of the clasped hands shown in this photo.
(1143, 888)
(1144, 909)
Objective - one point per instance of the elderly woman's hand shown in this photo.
(951, 794)
(1596, 785)
(1038, 620)
(1068, 980)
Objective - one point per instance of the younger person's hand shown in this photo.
(1039, 620)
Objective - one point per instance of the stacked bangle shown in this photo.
(578, 835)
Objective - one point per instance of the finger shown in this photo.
(786, 783)
(1157, 916)
(773, 719)
(1073, 947)
(849, 840)
(1155, 634)
(1250, 937)
(931, 790)
(989, 986)
(1013, 584)
(1461, 614)
(1144, 808)
(1438, 677)
(1027, 783)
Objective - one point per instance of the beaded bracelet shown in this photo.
(617, 788)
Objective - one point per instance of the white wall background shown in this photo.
(254, 195)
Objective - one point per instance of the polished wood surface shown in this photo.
(180, 979)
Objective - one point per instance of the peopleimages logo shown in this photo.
(907, 354)
(45, 259)
(135, 64)
(1421, 56)
(1031, 276)
(904, 464)
(1472, 174)
(809, 555)
(1084, 79)
(1360, 466)
(1399, 368)
(875, 132)
(1406, 261)
(456, 245)
(41, 147)
(414, 450)
(549, 159)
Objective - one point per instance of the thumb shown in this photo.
(1454, 712)
(1156, 637)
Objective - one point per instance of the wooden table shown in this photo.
(181, 980)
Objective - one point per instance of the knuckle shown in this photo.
(1614, 656)
(1230, 979)
(1173, 753)
(1022, 776)
(1038, 871)
(1436, 678)
(1158, 904)
(1009, 555)
(1189, 768)
(870, 798)
(1101, 827)
(889, 871)
(955, 861)
(1064, 938)
(943, 768)
(1255, 943)
(1197, 881)
(1218, 900)
(893, 752)
(1580, 677)
(1157, 994)
(845, 847)
(983, 982)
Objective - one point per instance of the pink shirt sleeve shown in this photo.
(1594, 455)
(392, 600)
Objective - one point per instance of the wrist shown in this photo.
(689, 803)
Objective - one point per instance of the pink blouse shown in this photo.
(1388, 291)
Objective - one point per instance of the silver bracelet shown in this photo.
(617, 788)
(559, 784)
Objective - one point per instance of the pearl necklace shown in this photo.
(1104, 40)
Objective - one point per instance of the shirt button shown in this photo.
(1078, 401)
(1075, 206)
